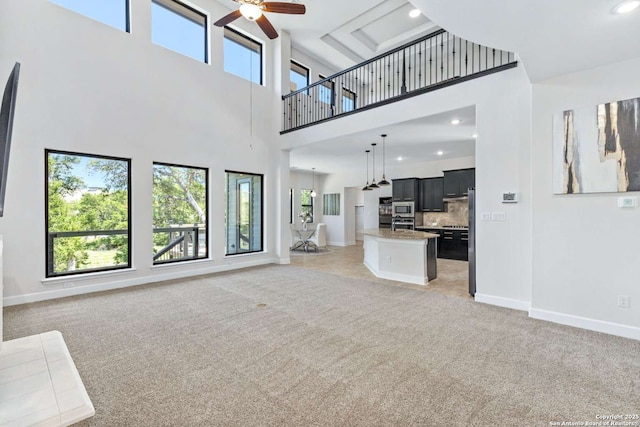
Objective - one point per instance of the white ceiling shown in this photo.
(551, 37)
(416, 141)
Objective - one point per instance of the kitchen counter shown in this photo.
(399, 234)
(424, 227)
(403, 255)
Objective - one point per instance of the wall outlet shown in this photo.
(485, 216)
(623, 301)
(68, 285)
(627, 202)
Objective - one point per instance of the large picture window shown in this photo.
(180, 28)
(179, 213)
(244, 212)
(111, 12)
(242, 56)
(299, 76)
(88, 217)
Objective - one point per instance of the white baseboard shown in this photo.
(134, 281)
(611, 328)
(503, 302)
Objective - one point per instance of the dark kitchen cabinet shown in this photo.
(457, 182)
(431, 194)
(405, 190)
(455, 245)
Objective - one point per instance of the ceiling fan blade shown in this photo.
(266, 26)
(281, 7)
(228, 18)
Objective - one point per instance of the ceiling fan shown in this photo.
(253, 11)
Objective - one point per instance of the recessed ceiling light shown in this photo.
(626, 7)
(456, 121)
(399, 158)
(440, 153)
(414, 13)
(474, 136)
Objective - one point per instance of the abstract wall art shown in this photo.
(597, 149)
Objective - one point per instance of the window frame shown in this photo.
(49, 251)
(292, 65)
(262, 218)
(351, 95)
(291, 205)
(170, 5)
(309, 205)
(329, 85)
(127, 16)
(206, 209)
(243, 40)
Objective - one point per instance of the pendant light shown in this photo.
(313, 186)
(366, 187)
(384, 179)
(373, 178)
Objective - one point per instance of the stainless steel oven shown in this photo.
(402, 223)
(403, 209)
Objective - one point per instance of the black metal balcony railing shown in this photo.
(180, 243)
(437, 60)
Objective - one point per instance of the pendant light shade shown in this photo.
(373, 178)
(383, 181)
(366, 187)
(313, 186)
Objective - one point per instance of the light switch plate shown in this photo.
(485, 216)
(498, 216)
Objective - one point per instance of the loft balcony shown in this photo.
(435, 61)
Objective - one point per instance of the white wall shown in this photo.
(315, 67)
(585, 250)
(564, 258)
(89, 88)
(503, 117)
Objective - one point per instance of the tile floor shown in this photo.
(453, 276)
(39, 383)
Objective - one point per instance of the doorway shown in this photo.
(359, 222)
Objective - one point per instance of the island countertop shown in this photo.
(399, 234)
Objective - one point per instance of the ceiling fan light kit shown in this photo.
(250, 11)
(254, 10)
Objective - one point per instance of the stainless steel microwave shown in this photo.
(403, 209)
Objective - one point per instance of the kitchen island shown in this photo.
(402, 255)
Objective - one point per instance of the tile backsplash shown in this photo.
(457, 214)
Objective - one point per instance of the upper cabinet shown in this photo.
(405, 190)
(431, 193)
(457, 182)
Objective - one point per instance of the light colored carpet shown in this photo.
(311, 252)
(325, 351)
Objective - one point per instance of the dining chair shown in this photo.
(319, 238)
